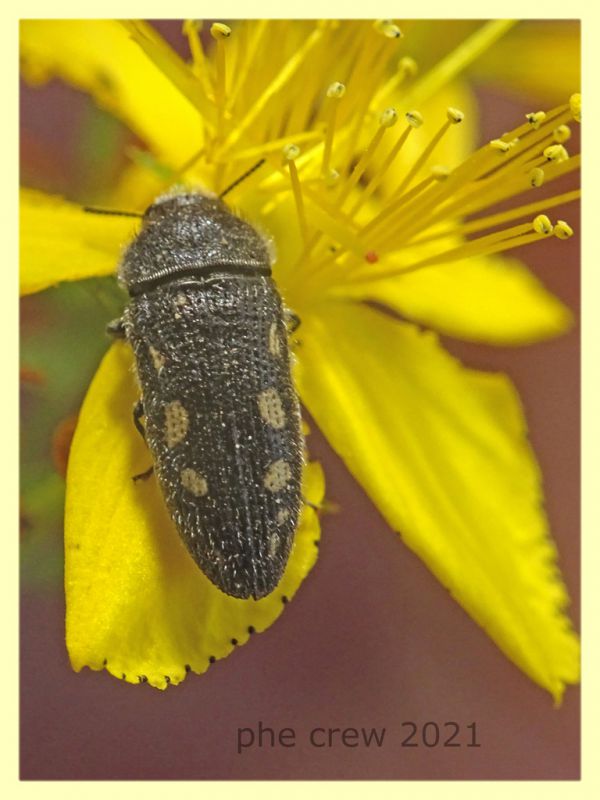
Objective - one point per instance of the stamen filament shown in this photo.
(290, 153)
(274, 146)
(407, 68)
(378, 177)
(388, 118)
(284, 75)
(241, 74)
(372, 228)
(191, 29)
(423, 158)
(172, 67)
(487, 245)
(460, 58)
(220, 33)
(497, 219)
(335, 92)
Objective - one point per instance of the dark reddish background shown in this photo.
(371, 638)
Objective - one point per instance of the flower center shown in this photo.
(315, 109)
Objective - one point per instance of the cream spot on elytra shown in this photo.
(157, 358)
(271, 409)
(273, 544)
(194, 482)
(282, 515)
(176, 423)
(274, 340)
(179, 302)
(277, 476)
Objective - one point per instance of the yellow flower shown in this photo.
(375, 198)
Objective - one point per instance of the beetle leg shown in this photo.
(116, 328)
(138, 412)
(143, 476)
(311, 505)
(292, 320)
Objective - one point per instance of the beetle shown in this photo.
(207, 326)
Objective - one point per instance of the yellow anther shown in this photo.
(336, 89)
(388, 118)
(562, 230)
(556, 152)
(414, 119)
(332, 178)
(291, 152)
(561, 134)
(388, 28)
(536, 177)
(535, 119)
(218, 30)
(454, 115)
(408, 67)
(541, 224)
(498, 144)
(392, 32)
(440, 172)
(575, 104)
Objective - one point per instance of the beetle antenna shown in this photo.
(242, 177)
(111, 212)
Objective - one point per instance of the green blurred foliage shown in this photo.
(62, 341)
(62, 329)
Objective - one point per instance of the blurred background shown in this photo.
(371, 639)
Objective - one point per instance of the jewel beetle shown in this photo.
(220, 413)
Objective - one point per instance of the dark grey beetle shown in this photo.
(222, 419)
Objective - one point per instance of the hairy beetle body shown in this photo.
(222, 418)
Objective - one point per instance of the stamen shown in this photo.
(542, 224)
(454, 117)
(290, 153)
(536, 177)
(501, 146)
(556, 152)
(508, 239)
(575, 106)
(335, 92)
(456, 61)
(220, 33)
(562, 230)
(172, 67)
(561, 134)
(415, 120)
(243, 72)
(387, 120)
(191, 29)
(407, 68)
(367, 73)
(498, 219)
(285, 74)
(382, 221)
(536, 119)
(388, 29)
(274, 146)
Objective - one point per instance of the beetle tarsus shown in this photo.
(116, 328)
(138, 413)
(143, 476)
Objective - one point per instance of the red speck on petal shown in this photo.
(371, 257)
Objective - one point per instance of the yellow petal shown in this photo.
(60, 242)
(100, 57)
(136, 602)
(443, 453)
(486, 299)
(538, 58)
